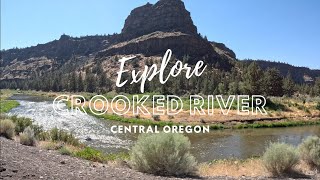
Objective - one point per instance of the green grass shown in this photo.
(148, 122)
(276, 124)
(256, 125)
(92, 154)
(7, 105)
(133, 120)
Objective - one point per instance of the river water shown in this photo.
(218, 144)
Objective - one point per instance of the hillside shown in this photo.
(147, 33)
(170, 27)
(299, 74)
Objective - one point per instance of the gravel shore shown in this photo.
(24, 162)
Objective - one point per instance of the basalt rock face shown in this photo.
(157, 43)
(165, 16)
(152, 29)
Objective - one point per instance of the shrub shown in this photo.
(163, 154)
(7, 128)
(43, 136)
(280, 158)
(156, 117)
(27, 137)
(65, 151)
(21, 123)
(60, 135)
(309, 150)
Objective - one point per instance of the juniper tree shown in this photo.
(288, 85)
(273, 82)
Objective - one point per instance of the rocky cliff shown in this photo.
(152, 29)
(165, 16)
(156, 44)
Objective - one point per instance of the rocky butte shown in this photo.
(165, 16)
(153, 28)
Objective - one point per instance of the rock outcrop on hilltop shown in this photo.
(165, 16)
(156, 44)
(152, 29)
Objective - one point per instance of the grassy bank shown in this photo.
(286, 108)
(5, 104)
(213, 126)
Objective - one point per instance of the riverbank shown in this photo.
(25, 162)
(282, 112)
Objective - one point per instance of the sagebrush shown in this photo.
(280, 158)
(309, 150)
(163, 154)
(7, 128)
(27, 137)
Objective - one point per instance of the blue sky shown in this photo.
(280, 30)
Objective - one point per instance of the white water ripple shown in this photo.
(80, 124)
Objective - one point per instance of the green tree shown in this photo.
(102, 81)
(80, 82)
(233, 88)
(90, 81)
(317, 86)
(273, 82)
(73, 82)
(288, 85)
(252, 79)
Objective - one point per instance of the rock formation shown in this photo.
(165, 16)
(152, 29)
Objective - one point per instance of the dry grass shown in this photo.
(249, 167)
(234, 168)
(184, 116)
(49, 145)
(295, 109)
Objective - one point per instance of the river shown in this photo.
(218, 144)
